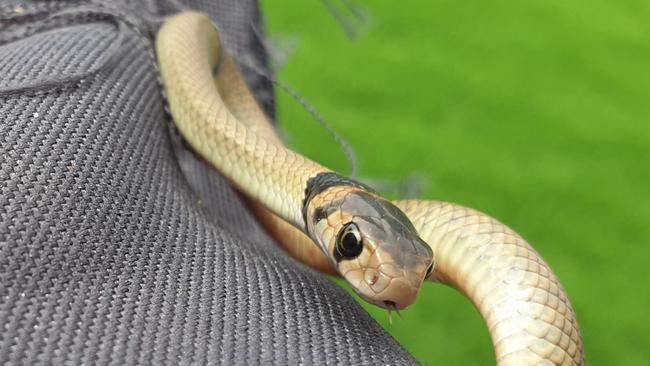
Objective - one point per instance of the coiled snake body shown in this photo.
(384, 250)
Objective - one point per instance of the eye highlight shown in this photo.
(348, 242)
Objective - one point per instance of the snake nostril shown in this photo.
(374, 278)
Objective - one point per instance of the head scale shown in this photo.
(372, 243)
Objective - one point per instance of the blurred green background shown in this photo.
(535, 112)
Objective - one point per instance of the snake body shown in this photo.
(317, 215)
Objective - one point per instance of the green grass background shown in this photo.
(535, 112)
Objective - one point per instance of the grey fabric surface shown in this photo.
(118, 246)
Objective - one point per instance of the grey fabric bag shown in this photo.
(118, 245)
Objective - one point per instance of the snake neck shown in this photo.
(324, 181)
(188, 49)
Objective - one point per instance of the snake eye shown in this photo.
(348, 243)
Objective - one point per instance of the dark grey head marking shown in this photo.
(323, 181)
(320, 213)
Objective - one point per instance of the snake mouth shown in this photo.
(399, 293)
(393, 306)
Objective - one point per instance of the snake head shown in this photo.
(372, 244)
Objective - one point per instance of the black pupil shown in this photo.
(349, 246)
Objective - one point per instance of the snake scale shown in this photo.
(384, 250)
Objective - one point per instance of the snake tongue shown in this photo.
(390, 306)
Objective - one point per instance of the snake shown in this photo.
(385, 250)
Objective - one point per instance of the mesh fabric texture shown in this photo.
(119, 246)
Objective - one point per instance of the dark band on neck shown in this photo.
(325, 181)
